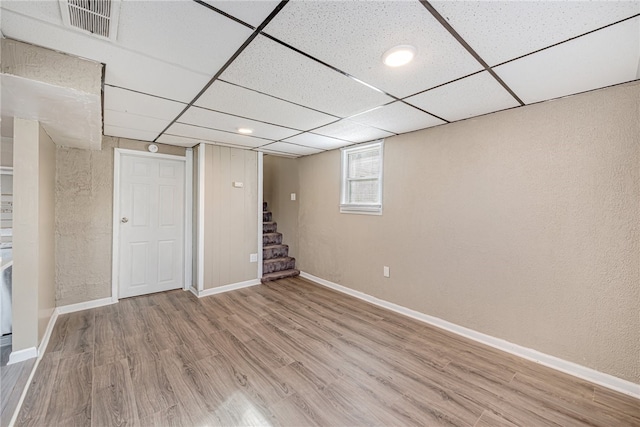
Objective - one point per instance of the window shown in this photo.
(362, 179)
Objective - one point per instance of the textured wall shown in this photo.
(521, 224)
(231, 216)
(84, 209)
(280, 180)
(48, 66)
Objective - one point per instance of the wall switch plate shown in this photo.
(293, 196)
(238, 184)
(385, 271)
(253, 258)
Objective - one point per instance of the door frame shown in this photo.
(188, 208)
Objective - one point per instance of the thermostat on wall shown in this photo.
(153, 148)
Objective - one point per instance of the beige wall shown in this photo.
(231, 220)
(33, 240)
(521, 224)
(280, 180)
(46, 231)
(84, 209)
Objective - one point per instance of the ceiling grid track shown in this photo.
(237, 53)
(284, 104)
(469, 49)
(348, 75)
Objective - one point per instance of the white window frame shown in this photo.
(369, 208)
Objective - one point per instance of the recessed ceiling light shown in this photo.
(245, 131)
(399, 55)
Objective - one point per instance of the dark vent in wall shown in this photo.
(98, 17)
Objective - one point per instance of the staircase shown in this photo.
(276, 262)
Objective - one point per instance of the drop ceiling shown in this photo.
(307, 76)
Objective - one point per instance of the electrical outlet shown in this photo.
(385, 271)
(253, 258)
(293, 196)
(238, 184)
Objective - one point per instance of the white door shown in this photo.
(151, 225)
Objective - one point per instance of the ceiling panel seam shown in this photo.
(225, 14)
(237, 53)
(280, 99)
(222, 130)
(145, 93)
(443, 84)
(469, 49)
(344, 73)
(567, 40)
(248, 118)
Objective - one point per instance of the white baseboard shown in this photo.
(71, 308)
(225, 288)
(47, 333)
(597, 377)
(22, 355)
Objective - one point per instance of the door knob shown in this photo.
(124, 220)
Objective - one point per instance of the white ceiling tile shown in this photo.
(351, 131)
(211, 119)
(251, 12)
(134, 71)
(503, 30)
(134, 121)
(603, 58)
(211, 135)
(468, 97)
(318, 141)
(180, 32)
(44, 10)
(283, 147)
(120, 132)
(243, 102)
(126, 101)
(353, 36)
(180, 141)
(124, 68)
(271, 68)
(397, 117)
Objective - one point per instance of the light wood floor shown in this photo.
(13, 379)
(292, 353)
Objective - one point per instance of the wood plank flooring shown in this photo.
(13, 379)
(292, 353)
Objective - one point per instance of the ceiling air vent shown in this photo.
(97, 17)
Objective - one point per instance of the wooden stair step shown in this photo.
(270, 277)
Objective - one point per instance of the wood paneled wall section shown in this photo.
(231, 225)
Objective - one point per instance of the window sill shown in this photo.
(361, 210)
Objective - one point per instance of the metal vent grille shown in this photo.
(98, 17)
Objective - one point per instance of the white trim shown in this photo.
(5, 340)
(7, 265)
(72, 308)
(225, 288)
(600, 378)
(47, 333)
(353, 208)
(22, 355)
(139, 153)
(260, 201)
(115, 227)
(201, 185)
(188, 221)
(115, 240)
